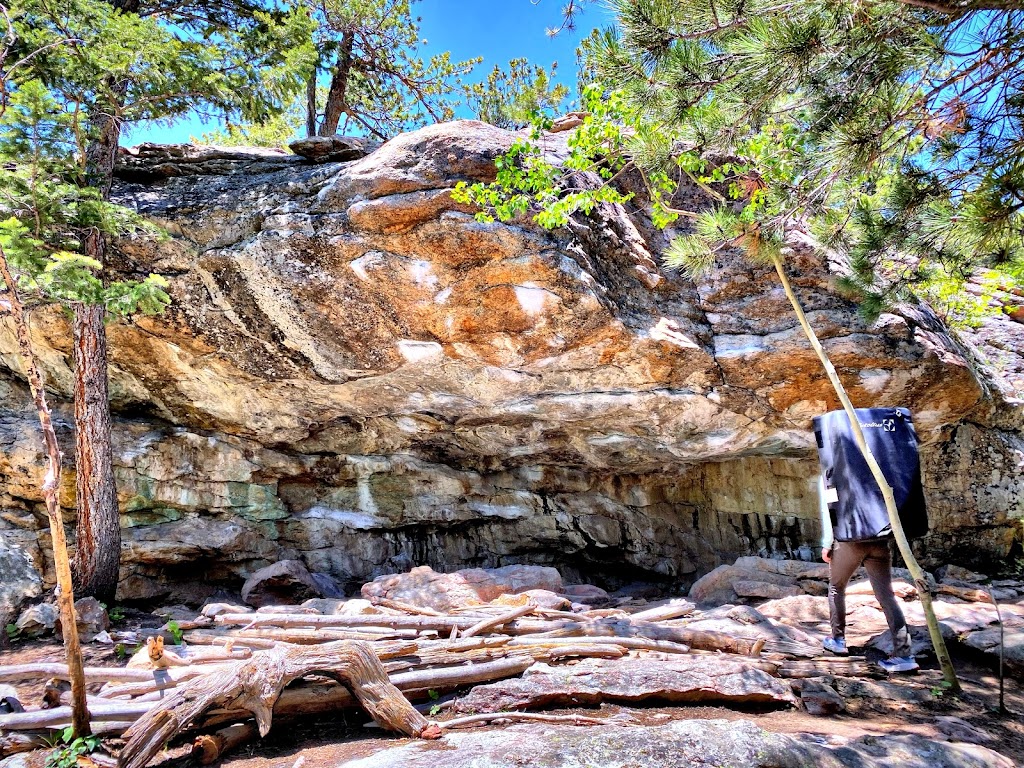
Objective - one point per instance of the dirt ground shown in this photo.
(333, 739)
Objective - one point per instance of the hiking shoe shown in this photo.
(898, 664)
(836, 645)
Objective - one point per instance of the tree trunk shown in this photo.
(335, 106)
(51, 487)
(311, 103)
(916, 572)
(98, 549)
(98, 545)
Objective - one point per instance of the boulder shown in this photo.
(19, 580)
(588, 594)
(718, 587)
(764, 589)
(333, 149)
(426, 588)
(284, 582)
(356, 607)
(324, 605)
(818, 697)
(954, 574)
(38, 620)
(358, 374)
(681, 679)
(215, 609)
(91, 618)
(703, 743)
(958, 729)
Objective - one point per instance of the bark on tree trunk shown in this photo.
(51, 487)
(311, 103)
(335, 106)
(941, 653)
(98, 548)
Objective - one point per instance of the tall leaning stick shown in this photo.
(51, 488)
(916, 572)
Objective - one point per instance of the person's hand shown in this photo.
(826, 554)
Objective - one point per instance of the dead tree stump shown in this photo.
(255, 685)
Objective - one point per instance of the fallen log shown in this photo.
(222, 638)
(320, 698)
(622, 627)
(210, 747)
(970, 594)
(847, 667)
(26, 672)
(694, 638)
(307, 698)
(437, 623)
(255, 685)
(15, 742)
(497, 621)
(672, 610)
(159, 680)
(60, 716)
(633, 643)
(395, 605)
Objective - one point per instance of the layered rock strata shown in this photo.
(356, 373)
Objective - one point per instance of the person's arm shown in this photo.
(826, 522)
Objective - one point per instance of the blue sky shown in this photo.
(498, 30)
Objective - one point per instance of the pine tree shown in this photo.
(510, 98)
(51, 482)
(379, 85)
(94, 67)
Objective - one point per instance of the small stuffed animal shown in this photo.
(156, 657)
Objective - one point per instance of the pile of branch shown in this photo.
(263, 665)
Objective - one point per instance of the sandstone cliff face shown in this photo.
(356, 373)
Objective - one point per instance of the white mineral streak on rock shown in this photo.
(534, 300)
(420, 351)
(361, 521)
(668, 330)
(874, 380)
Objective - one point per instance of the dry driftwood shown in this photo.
(615, 626)
(25, 672)
(667, 612)
(210, 747)
(632, 643)
(61, 716)
(255, 685)
(497, 621)
(853, 666)
(970, 594)
(395, 605)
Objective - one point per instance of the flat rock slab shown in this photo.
(424, 587)
(689, 679)
(691, 743)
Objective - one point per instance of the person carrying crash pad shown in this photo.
(855, 523)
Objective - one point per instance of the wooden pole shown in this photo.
(51, 488)
(916, 572)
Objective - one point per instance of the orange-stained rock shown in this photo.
(356, 373)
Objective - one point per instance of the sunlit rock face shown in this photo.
(356, 373)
